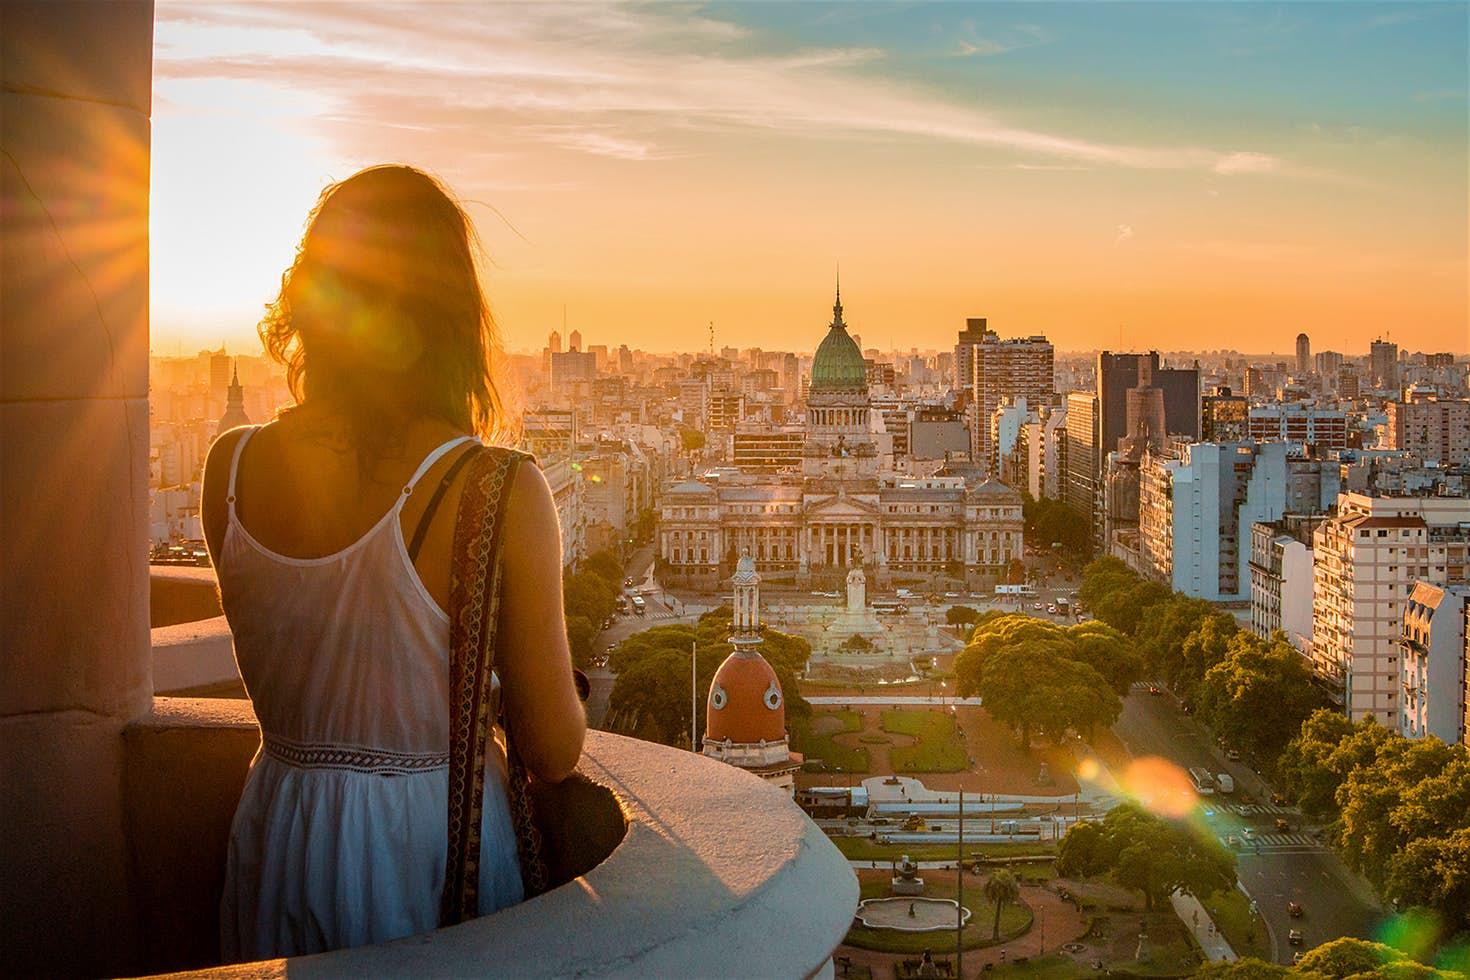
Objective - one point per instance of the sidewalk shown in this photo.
(1199, 923)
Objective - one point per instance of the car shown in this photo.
(1038, 605)
(1282, 824)
(1294, 937)
(1278, 799)
(1051, 608)
(951, 595)
(1296, 957)
(1155, 690)
(1294, 909)
(627, 583)
(1232, 754)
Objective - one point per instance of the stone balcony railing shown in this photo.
(673, 864)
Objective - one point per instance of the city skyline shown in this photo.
(1113, 177)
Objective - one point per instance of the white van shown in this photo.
(1225, 782)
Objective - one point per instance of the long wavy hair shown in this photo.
(381, 317)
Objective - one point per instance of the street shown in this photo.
(1274, 867)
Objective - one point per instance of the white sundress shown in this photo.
(341, 834)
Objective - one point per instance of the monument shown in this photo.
(857, 592)
(907, 880)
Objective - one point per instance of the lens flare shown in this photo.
(1160, 787)
(1088, 770)
(1414, 933)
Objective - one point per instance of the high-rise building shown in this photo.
(1322, 428)
(1329, 362)
(1253, 383)
(1117, 373)
(1365, 562)
(1223, 417)
(1349, 385)
(1195, 510)
(574, 342)
(1432, 429)
(1281, 577)
(1016, 369)
(1303, 354)
(553, 343)
(1383, 364)
(1081, 466)
(964, 352)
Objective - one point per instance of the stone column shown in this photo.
(74, 648)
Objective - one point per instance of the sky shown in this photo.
(1113, 175)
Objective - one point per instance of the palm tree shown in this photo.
(1001, 890)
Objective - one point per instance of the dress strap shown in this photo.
(435, 454)
(235, 466)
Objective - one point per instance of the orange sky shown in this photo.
(1234, 177)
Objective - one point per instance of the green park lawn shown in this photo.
(939, 747)
(1244, 932)
(1014, 920)
(813, 738)
(864, 849)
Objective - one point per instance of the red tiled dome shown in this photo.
(745, 702)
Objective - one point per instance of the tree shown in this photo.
(1033, 677)
(961, 615)
(1320, 758)
(1162, 630)
(1202, 649)
(1081, 852)
(1348, 957)
(1001, 889)
(1108, 652)
(581, 636)
(1434, 872)
(651, 696)
(1149, 853)
(1371, 828)
(589, 594)
(691, 440)
(1258, 696)
(605, 565)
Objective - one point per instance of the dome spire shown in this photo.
(837, 306)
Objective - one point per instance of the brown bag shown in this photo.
(474, 607)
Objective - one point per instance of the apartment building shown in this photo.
(1433, 430)
(1281, 578)
(1366, 560)
(1196, 508)
(1432, 645)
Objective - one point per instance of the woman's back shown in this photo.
(342, 637)
(339, 641)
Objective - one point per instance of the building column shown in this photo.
(74, 642)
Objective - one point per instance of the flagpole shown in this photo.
(959, 905)
(693, 696)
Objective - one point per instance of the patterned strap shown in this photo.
(474, 606)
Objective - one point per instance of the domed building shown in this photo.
(839, 417)
(234, 416)
(745, 724)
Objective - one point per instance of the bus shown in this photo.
(1204, 783)
(1015, 590)
(639, 605)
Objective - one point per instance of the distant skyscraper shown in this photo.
(964, 352)
(1080, 466)
(1383, 364)
(553, 343)
(1117, 373)
(1329, 362)
(574, 342)
(1303, 354)
(1020, 368)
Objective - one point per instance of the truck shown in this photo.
(1225, 782)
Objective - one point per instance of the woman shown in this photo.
(341, 635)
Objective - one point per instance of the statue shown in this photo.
(857, 591)
(911, 910)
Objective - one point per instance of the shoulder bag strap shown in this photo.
(474, 600)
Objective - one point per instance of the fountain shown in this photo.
(853, 635)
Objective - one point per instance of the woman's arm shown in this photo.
(543, 711)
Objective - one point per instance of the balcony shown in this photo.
(671, 864)
(117, 802)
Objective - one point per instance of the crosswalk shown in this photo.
(1248, 809)
(1273, 841)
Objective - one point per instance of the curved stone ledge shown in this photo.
(181, 594)
(718, 874)
(191, 657)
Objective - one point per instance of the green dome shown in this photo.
(838, 362)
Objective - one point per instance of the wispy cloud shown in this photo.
(629, 82)
(1125, 233)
